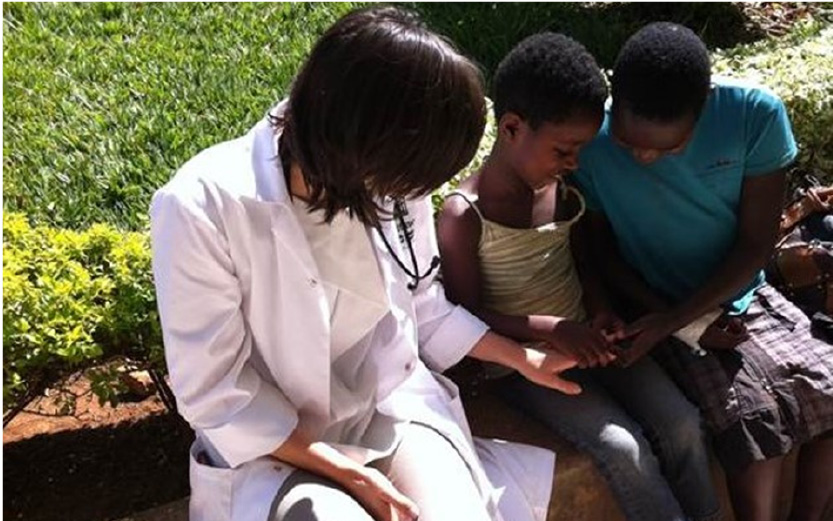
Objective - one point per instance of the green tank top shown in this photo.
(529, 271)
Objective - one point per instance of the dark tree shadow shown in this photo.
(487, 31)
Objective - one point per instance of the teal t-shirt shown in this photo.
(676, 219)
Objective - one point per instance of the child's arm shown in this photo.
(758, 218)
(459, 235)
(596, 300)
(613, 268)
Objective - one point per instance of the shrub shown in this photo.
(71, 300)
(799, 68)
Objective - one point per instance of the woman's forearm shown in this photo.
(498, 349)
(372, 489)
(759, 214)
(316, 457)
(543, 367)
(737, 271)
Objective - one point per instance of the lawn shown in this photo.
(104, 101)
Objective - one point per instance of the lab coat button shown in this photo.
(409, 366)
(313, 282)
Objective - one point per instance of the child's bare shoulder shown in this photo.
(458, 217)
(459, 204)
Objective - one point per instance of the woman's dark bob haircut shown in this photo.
(382, 108)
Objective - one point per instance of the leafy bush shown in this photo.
(799, 68)
(487, 31)
(73, 299)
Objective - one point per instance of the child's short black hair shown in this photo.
(383, 107)
(662, 73)
(548, 77)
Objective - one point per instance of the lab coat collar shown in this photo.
(272, 209)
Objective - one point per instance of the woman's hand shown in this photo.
(610, 326)
(378, 496)
(820, 198)
(539, 365)
(369, 486)
(581, 341)
(544, 367)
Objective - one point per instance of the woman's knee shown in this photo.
(307, 497)
(428, 469)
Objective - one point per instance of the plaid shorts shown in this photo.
(770, 394)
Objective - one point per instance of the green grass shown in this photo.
(104, 101)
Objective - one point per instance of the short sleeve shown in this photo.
(770, 144)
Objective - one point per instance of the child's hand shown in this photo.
(610, 326)
(581, 341)
(646, 333)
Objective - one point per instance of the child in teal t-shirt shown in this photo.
(684, 185)
(688, 201)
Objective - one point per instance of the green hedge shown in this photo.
(71, 300)
(799, 68)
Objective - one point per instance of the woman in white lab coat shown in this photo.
(304, 330)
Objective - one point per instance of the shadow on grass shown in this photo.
(487, 31)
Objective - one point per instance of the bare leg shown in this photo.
(754, 490)
(814, 481)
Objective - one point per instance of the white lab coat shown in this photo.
(247, 338)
